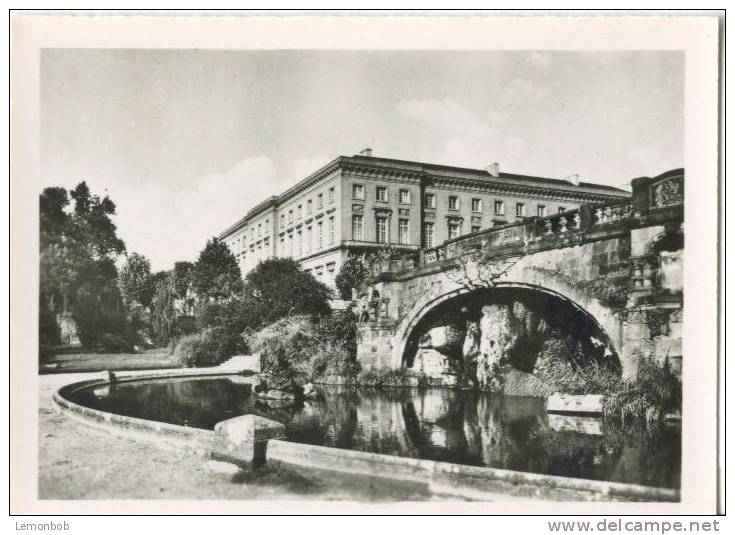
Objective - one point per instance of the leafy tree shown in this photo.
(278, 287)
(182, 278)
(352, 274)
(164, 310)
(133, 278)
(216, 274)
(78, 252)
(152, 282)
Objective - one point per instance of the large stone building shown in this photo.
(360, 203)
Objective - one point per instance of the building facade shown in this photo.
(358, 204)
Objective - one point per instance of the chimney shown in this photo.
(493, 169)
(366, 152)
(574, 179)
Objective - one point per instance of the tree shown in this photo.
(216, 274)
(152, 282)
(352, 274)
(133, 278)
(78, 252)
(182, 278)
(278, 287)
(164, 310)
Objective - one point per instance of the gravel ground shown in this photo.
(77, 461)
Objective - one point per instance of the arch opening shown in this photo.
(517, 327)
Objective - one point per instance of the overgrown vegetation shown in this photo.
(298, 350)
(378, 378)
(655, 392)
(352, 274)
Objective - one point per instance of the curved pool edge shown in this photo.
(162, 433)
(469, 482)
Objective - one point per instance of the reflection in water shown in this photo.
(464, 427)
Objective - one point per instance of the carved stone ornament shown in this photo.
(668, 193)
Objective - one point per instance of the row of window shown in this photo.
(382, 229)
(331, 198)
(404, 197)
(300, 243)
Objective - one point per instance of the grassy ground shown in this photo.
(94, 362)
(81, 462)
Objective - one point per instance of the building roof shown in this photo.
(436, 171)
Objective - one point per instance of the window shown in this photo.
(299, 244)
(499, 208)
(541, 210)
(357, 228)
(319, 201)
(290, 245)
(475, 229)
(381, 229)
(520, 209)
(429, 200)
(299, 213)
(477, 205)
(309, 207)
(260, 230)
(252, 233)
(320, 235)
(403, 231)
(282, 249)
(562, 209)
(308, 239)
(453, 203)
(381, 194)
(404, 196)
(453, 229)
(283, 220)
(428, 234)
(290, 216)
(331, 195)
(358, 191)
(330, 236)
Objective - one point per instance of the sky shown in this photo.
(186, 141)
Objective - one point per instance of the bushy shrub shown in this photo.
(210, 347)
(114, 343)
(299, 350)
(562, 375)
(656, 392)
(185, 325)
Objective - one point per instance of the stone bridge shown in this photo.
(617, 265)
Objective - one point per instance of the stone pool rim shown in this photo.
(200, 441)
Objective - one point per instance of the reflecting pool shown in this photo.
(464, 427)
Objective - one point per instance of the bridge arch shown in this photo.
(606, 320)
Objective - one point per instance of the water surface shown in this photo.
(464, 427)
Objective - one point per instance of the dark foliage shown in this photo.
(216, 274)
(352, 274)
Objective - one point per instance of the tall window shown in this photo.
(403, 231)
(308, 239)
(541, 210)
(499, 208)
(381, 229)
(453, 229)
(320, 235)
(299, 244)
(428, 234)
(381, 193)
(429, 200)
(283, 220)
(331, 195)
(330, 236)
(357, 233)
(477, 205)
(520, 209)
(252, 233)
(404, 196)
(290, 216)
(290, 245)
(562, 209)
(299, 214)
(319, 201)
(453, 203)
(282, 248)
(260, 230)
(358, 191)
(309, 207)
(475, 229)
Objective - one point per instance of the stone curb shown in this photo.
(472, 482)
